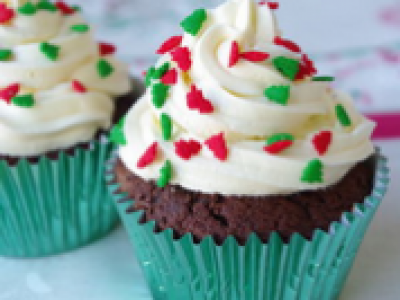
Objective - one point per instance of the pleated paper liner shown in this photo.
(55, 205)
(298, 270)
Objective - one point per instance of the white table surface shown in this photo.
(107, 269)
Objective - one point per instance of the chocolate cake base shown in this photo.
(221, 216)
(124, 103)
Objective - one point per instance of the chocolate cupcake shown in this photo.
(243, 174)
(60, 92)
(221, 216)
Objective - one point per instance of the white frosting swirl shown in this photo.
(245, 116)
(61, 117)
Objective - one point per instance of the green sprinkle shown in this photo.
(323, 78)
(27, 9)
(287, 66)
(166, 126)
(160, 94)
(50, 50)
(313, 172)
(165, 175)
(5, 54)
(279, 94)
(46, 5)
(158, 73)
(104, 68)
(149, 76)
(117, 135)
(342, 115)
(24, 100)
(81, 28)
(279, 137)
(193, 23)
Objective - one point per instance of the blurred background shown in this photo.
(357, 41)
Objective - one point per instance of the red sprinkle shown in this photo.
(234, 55)
(271, 5)
(303, 72)
(9, 92)
(218, 147)
(307, 68)
(196, 101)
(64, 8)
(148, 157)
(187, 149)
(78, 86)
(170, 78)
(309, 63)
(278, 147)
(181, 56)
(322, 141)
(287, 44)
(6, 14)
(170, 44)
(255, 56)
(106, 49)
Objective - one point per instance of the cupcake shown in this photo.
(60, 92)
(244, 175)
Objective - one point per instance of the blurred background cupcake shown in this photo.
(60, 91)
(242, 173)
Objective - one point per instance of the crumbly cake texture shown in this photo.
(221, 216)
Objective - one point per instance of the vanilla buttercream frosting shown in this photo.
(234, 108)
(57, 88)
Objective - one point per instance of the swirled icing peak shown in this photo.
(233, 107)
(56, 83)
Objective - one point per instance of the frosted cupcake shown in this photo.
(60, 91)
(244, 175)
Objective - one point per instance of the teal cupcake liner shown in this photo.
(57, 205)
(301, 269)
